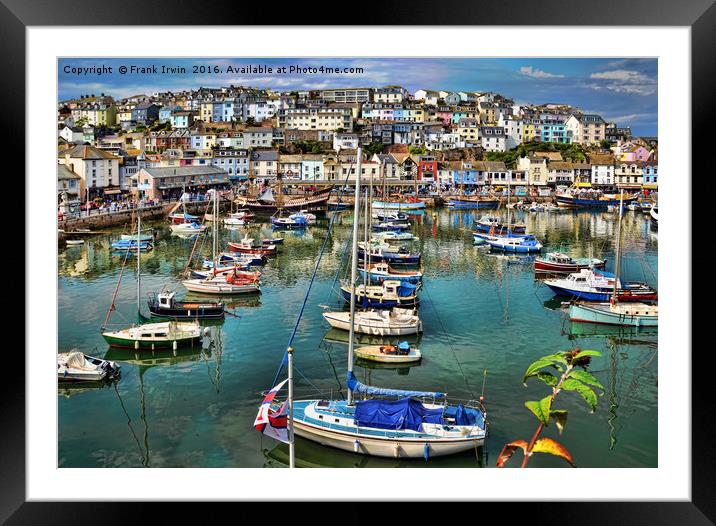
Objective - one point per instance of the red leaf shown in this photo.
(508, 451)
(547, 445)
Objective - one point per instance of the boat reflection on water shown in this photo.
(339, 336)
(310, 454)
(556, 303)
(625, 333)
(68, 389)
(151, 358)
(403, 369)
(231, 302)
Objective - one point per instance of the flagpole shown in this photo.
(291, 449)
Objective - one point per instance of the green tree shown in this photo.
(417, 150)
(374, 148)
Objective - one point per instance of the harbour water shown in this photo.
(480, 311)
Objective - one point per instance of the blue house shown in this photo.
(165, 113)
(553, 131)
(651, 175)
(145, 113)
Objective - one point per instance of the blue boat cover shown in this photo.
(355, 386)
(406, 289)
(406, 413)
(404, 346)
(465, 416)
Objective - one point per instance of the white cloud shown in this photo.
(538, 73)
(625, 81)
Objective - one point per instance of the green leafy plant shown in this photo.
(573, 377)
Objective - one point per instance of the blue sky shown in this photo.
(623, 90)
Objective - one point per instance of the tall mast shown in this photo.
(354, 272)
(509, 215)
(618, 260)
(139, 260)
(291, 446)
(216, 221)
(366, 247)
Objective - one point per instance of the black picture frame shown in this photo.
(699, 15)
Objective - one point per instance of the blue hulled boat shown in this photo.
(389, 294)
(391, 255)
(591, 201)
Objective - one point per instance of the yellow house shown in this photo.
(206, 111)
(529, 132)
(100, 114)
(414, 114)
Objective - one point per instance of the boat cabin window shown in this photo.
(322, 403)
(146, 335)
(160, 334)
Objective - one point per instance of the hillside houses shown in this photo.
(436, 136)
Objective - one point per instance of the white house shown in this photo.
(602, 169)
(513, 130)
(312, 167)
(493, 138)
(343, 141)
(428, 96)
(97, 169)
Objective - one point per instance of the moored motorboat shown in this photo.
(590, 200)
(177, 219)
(248, 246)
(387, 236)
(635, 314)
(401, 353)
(522, 244)
(383, 271)
(165, 305)
(131, 245)
(388, 254)
(231, 283)
(557, 262)
(473, 202)
(160, 335)
(394, 322)
(486, 223)
(593, 285)
(390, 293)
(75, 366)
(293, 221)
(188, 228)
(398, 204)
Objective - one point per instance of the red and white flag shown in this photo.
(273, 423)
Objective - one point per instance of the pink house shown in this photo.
(630, 152)
(444, 116)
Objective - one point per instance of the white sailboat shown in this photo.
(633, 314)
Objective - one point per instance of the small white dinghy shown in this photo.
(75, 366)
(401, 353)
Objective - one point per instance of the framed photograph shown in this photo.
(434, 244)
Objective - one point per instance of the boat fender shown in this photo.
(136, 344)
(426, 452)
(356, 446)
(396, 450)
(174, 345)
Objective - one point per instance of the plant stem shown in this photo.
(541, 426)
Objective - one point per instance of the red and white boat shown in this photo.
(182, 217)
(248, 246)
(557, 262)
